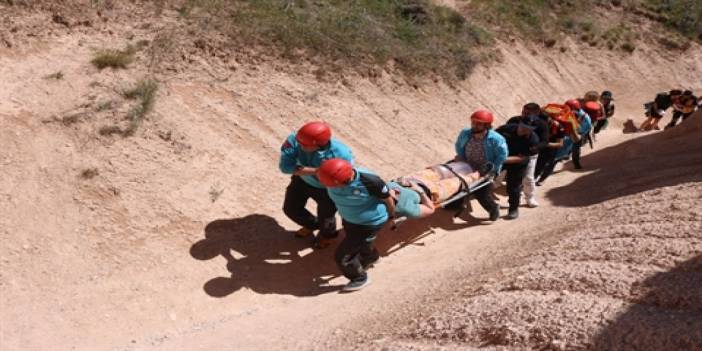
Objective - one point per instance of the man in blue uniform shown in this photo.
(364, 203)
(301, 154)
(478, 146)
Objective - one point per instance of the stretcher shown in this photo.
(449, 183)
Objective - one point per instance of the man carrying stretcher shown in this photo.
(478, 146)
(479, 151)
(300, 156)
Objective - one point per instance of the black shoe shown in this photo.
(495, 214)
(512, 214)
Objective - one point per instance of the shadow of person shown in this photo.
(645, 163)
(412, 231)
(264, 257)
(666, 315)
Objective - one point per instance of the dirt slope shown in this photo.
(144, 254)
(626, 275)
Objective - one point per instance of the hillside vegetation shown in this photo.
(417, 38)
(615, 24)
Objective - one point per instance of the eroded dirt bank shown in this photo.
(174, 239)
(627, 273)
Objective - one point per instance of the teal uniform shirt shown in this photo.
(495, 147)
(361, 201)
(292, 156)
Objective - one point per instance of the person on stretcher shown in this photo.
(418, 194)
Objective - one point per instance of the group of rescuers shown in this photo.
(323, 169)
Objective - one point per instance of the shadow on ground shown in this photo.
(653, 161)
(667, 314)
(263, 256)
(413, 231)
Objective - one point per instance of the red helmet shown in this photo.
(482, 116)
(574, 104)
(314, 134)
(335, 172)
(593, 108)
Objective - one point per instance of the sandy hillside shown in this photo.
(174, 239)
(626, 275)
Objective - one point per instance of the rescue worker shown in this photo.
(532, 115)
(606, 100)
(594, 97)
(301, 154)
(585, 128)
(522, 143)
(595, 111)
(684, 108)
(547, 157)
(655, 110)
(479, 146)
(364, 203)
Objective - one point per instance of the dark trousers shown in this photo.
(296, 196)
(485, 199)
(676, 117)
(546, 158)
(356, 250)
(484, 196)
(576, 152)
(600, 124)
(548, 164)
(515, 176)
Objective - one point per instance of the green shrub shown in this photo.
(537, 19)
(104, 105)
(89, 173)
(109, 130)
(628, 47)
(114, 58)
(144, 91)
(685, 16)
(57, 76)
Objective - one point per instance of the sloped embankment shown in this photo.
(628, 276)
(98, 228)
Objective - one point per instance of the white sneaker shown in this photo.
(531, 202)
